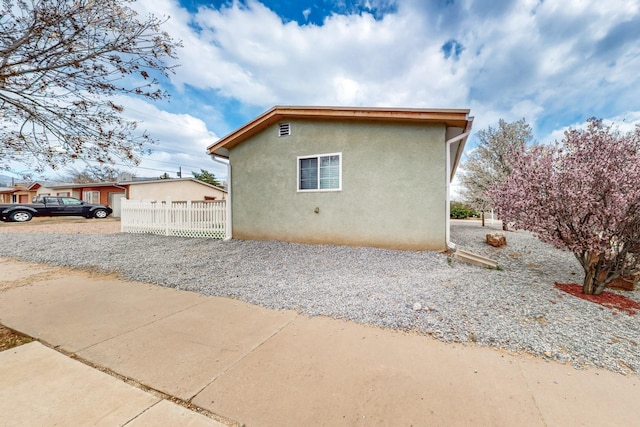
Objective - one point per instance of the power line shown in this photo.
(179, 172)
(175, 164)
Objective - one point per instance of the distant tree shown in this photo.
(93, 174)
(489, 164)
(582, 195)
(61, 63)
(206, 176)
(459, 210)
(164, 176)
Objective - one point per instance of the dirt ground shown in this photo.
(66, 225)
(10, 339)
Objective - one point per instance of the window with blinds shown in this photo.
(320, 173)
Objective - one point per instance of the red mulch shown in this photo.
(606, 299)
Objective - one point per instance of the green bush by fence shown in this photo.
(459, 210)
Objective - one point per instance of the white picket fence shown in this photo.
(185, 219)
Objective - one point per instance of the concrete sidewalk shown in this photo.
(42, 387)
(244, 364)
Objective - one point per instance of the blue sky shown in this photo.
(555, 63)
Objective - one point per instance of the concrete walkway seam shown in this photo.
(140, 326)
(244, 356)
(132, 382)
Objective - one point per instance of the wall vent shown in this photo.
(284, 129)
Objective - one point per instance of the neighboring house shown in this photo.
(6, 194)
(106, 193)
(355, 176)
(23, 193)
(178, 189)
(110, 193)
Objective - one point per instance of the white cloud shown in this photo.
(181, 140)
(553, 63)
(249, 53)
(625, 123)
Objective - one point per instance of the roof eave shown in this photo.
(450, 117)
(460, 150)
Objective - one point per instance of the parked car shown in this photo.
(52, 206)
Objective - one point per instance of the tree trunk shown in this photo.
(595, 274)
(589, 285)
(482, 218)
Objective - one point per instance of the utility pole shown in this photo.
(180, 172)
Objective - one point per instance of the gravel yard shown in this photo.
(516, 308)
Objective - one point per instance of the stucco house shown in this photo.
(342, 175)
(6, 194)
(178, 189)
(20, 193)
(25, 192)
(94, 192)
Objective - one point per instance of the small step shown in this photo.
(474, 259)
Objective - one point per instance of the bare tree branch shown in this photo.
(489, 163)
(61, 62)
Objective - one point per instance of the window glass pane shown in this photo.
(68, 201)
(51, 201)
(330, 172)
(309, 174)
(91, 196)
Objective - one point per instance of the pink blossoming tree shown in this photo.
(582, 195)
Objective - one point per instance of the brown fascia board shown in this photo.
(450, 117)
(159, 181)
(88, 184)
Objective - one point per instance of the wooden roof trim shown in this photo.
(450, 117)
(85, 185)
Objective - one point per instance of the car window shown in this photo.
(52, 201)
(71, 201)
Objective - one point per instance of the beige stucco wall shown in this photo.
(71, 192)
(177, 190)
(393, 185)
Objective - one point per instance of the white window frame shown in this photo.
(91, 196)
(318, 189)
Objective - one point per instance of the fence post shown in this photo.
(123, 221)
(189, 213)
(167, 215)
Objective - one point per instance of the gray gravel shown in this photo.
(516, 308)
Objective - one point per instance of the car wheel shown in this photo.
(21, 216)
(100, 213)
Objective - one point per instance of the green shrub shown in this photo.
(459, 210)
